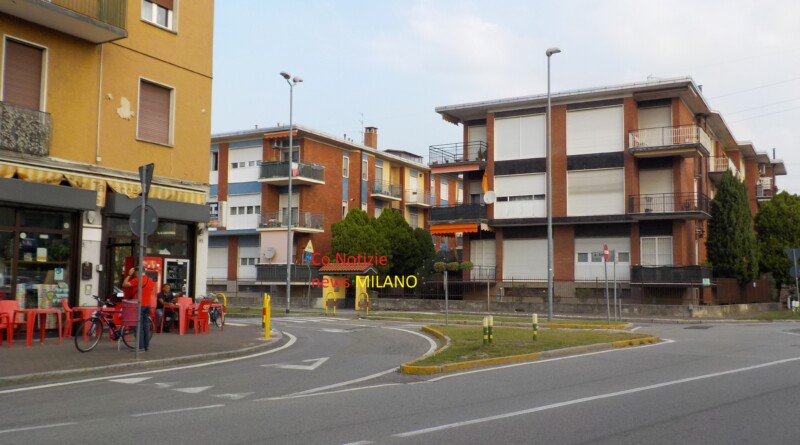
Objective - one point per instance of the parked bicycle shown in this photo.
(216, 315)
(90, 331)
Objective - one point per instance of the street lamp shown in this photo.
(292, 81)
(549, 52)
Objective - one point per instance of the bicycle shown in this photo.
(216, 315)
(90, 331)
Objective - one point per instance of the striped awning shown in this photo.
(89, 183)
(127, 188)
(40, 175)
(7, 171)
(451, 229)
(173, 194)
(284, 134)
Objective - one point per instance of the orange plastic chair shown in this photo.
(200, 318)
(72, 317)
(7, 308)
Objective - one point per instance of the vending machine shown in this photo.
(176, 274)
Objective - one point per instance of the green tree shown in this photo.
(778, 228)
(357, 234)
(426, 250)
(404, 252)
(731, 244)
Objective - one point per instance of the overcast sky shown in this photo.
(389, 63)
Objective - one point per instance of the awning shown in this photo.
(284, 134)
(40, 175)
(89, 183)
(7, 171)
(348, 269)
(452, 229)
(171, 194)
(127, 188)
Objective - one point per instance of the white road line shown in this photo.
(38, 427)
(292, 340)
(664, 341)
(360, 388)
(360, 442)
(430, 340)
(335, 385)
(592, 398)
(227, 323)
(789, 333)
(180, 410)
(636, 329)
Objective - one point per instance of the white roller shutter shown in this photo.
(477, 134)
(599, 130)
(525, 259)
(588, 270)
(656, 117)
(596, 192)
(520, 137)
(520, 196)
(218, 262)
(655, 188)
(248, 271)
(483, 257)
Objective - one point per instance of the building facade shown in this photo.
(91, 91)
(634, 169)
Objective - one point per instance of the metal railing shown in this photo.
(668, 203)
(764, 188)
(387, 188)
(300, 219)
(675, 275)
(420, 197)
(458, 152)
(112, 12)
(649, 138)
(280, 169)
(24, 130)
(276, 273)
(456, 212)
(721, 164)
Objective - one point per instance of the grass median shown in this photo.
(504, 319)
(467, 342)
(781, 315)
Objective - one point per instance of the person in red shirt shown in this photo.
(148, 293)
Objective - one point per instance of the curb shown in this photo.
(410, 368)
(619, 327)
(149, 364)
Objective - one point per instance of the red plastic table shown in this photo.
(30, 317)
(183, 313)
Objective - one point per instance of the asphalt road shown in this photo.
(331, 384)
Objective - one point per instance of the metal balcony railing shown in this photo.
(276, 273)
(670, 275)
(468, 212)
(721, 164)
(419, 197)
(764, 188)
(386, 188)
(300, 219)
(111, 12)
(481, 273)
(648, 139)
(24, 130)
(280, 169)
(668, 203)
(458, 152)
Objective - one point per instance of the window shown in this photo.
(345, 167)
(251, 163)
(378, 208)
(258, 210)
(657, 251)
(364, 171)
(22, 75)
(248, 261)
(583, 257)
(159, 12)
(234, 165)
(344, 209)
(623, 257)
(378, 171)
(249, 210)
(214, 161)
(155, 111)
(244, 261)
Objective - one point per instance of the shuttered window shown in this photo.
(598, 130)
(596, 192)
(22, 75)
(657, 251)
(154, 113)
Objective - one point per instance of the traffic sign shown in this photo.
(308, 257)
(605, 252)
(792, 253)
(794, 271)
(150, 220)
(309, 247)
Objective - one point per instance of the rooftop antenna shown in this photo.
(362, 128)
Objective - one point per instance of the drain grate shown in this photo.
(704, 327)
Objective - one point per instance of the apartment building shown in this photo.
(90, 91)
(330, 175)
(634, 169)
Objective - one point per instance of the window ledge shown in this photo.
(173, 31)
(171, 145)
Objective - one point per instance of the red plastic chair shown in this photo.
(129, 318)
(200, 318)
(72, 317)
(7, 319)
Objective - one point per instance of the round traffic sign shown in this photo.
(150, 220)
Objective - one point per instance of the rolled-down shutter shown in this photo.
(154, 113)
(169, 4)
(22, 79)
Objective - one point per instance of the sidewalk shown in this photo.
(51, 360)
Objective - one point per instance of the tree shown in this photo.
(404, 251)
(731, 244)
(778, 228)
(426, 250)
(357, 234)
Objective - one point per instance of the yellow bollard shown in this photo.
(485, 331)
(265, 316)
(334, 305)
(535, 327)
(491, 328)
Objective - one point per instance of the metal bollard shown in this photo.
(485, 331)
(265, 316)
(535, 327)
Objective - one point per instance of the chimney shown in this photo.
(371, 137)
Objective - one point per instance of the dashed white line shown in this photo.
(180, 410)
(636, 328)
(360, 442)
(38, 427)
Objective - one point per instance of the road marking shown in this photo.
(195, 390)
(227, 323)
(360, 388)
(170, 411)
(636, 329)
(432, 343)
(335, 331)
(164, 385)
(593, 398)
(311, 367)
(335, 385)
(234, 396)
(131, 381)
(292, 341)
(360, 442)
(39, 427)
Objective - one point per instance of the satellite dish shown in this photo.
(269, 252)
(489, 197)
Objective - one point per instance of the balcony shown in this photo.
(419, 198)
(719, 165)
(277, 173)
(96, 21)
(764, 189)
(302, 221)
(673, 276)
(669, 206)
(458, 213)
(276, 273)
(686, 140)
(386, 191)
(24, 130)
(458, 157)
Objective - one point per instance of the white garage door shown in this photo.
(525, 259)
(218, 262)
(589, 268)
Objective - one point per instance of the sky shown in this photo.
(390, 63)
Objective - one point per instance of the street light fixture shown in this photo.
(292, 81)
(549, 52)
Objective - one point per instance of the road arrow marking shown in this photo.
(316, 364)
(132, 380)
(234, 396)
(195, 390)
(335, 331)
(164, 385)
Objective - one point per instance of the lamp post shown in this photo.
(292, 81)
(549, 52)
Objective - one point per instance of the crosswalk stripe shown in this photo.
(195, 390)
(131, 381)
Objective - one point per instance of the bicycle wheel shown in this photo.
(88, 334)
(129, 334)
